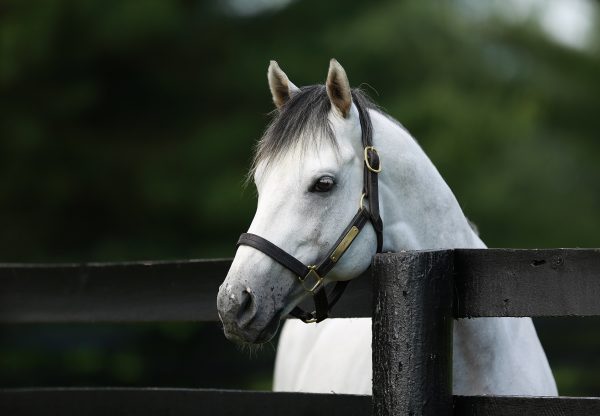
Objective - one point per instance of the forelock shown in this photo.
(302, 121)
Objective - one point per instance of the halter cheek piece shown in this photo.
(311, 277)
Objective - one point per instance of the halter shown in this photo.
(311, 277)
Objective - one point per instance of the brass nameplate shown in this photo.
(344, 244)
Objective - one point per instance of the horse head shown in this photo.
(308, 170)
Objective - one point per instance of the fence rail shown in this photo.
(517, 283)
(184, 402)
(180, 402)
(410, 294)
(492, 282)
(129, 292)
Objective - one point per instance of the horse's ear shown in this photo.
(338, 88)
(281, 87)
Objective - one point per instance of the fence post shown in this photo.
(412, 333)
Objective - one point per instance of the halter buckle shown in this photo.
(318, 280)
(367, 163)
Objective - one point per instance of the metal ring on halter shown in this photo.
(311, 320)
(371, 168)
(362, 198)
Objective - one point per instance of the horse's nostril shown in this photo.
(247, 309)
(245, 300)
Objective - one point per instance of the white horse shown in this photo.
(309, 174)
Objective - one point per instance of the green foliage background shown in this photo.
(126, 129)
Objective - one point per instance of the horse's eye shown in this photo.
(323, 184)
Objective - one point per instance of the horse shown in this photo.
(308, 170)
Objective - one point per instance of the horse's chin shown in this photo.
(253, 335)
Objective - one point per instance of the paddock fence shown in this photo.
(413, 298)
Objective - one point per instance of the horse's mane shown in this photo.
(303, 119)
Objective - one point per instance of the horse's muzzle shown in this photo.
(243, 319)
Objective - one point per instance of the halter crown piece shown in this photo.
(311, 277)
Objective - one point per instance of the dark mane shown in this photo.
(302, 118)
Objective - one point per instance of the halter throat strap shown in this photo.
(312, 277)
(372, 167)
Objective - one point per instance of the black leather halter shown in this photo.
(312, 276)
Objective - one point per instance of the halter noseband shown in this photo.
(311, 277)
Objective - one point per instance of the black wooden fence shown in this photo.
(410, 295)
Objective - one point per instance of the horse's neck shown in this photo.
(420, 212)
(418, 208)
